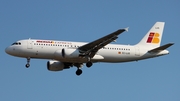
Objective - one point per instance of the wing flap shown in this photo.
(161, 48)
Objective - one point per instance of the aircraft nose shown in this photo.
(7, 50)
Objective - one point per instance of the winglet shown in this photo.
(126, 29)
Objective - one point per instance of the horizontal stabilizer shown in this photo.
(161, 48)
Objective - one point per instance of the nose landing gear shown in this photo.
(27, 65)
(28, 62)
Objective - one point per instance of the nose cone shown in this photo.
(8, 50)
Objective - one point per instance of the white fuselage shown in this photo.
(48, 49)
(65, 54)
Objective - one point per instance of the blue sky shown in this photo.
(155, 79)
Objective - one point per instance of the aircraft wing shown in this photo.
(91, 48)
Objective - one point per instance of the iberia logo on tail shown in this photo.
(153, 38)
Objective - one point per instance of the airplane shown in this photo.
(65, 54)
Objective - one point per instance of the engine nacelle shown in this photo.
(55, 65)
(67, 53)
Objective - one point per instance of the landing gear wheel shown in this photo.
(27, 65)
(89, 64)
(28, 61)
(78, 72)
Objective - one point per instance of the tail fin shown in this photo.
(154, 35)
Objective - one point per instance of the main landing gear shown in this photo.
(28, 62)
(89, 64)
(79, 71)
(79, 66)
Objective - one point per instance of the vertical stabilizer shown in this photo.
(154, 35)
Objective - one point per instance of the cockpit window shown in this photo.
(16, 43)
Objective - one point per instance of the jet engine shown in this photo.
(55, 65)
